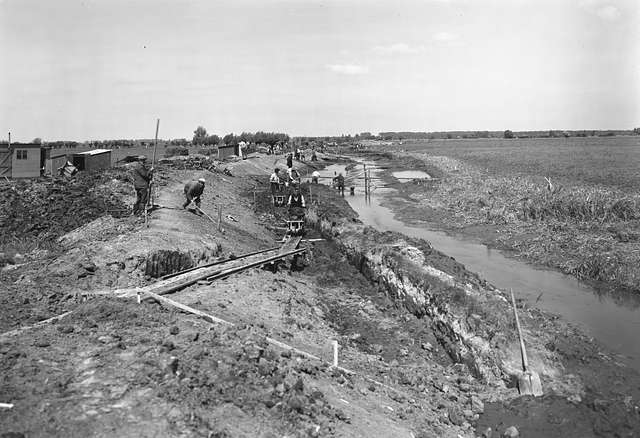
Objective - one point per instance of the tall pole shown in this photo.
(155, 147)
(365, 183)
(9, 141)
(150, 200)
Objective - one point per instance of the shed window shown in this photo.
(21, 154)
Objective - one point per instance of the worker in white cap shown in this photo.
(193, 191)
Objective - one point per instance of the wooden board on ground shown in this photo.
(290, 244)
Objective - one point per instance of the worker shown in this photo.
(293, 177)
(289, 161)
(296, 202)
(193, 191)
(274, 180)
(314, 157)
(141, 178)
(339, 181)
(315, 176)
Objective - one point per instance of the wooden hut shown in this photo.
(95, 159)
(23, 160)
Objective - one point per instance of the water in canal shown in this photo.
(616, 325)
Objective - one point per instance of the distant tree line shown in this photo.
(201, 137)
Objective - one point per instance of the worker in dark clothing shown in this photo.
(141, 178)
(289, 160)
(296, 202)
(339, 181)
(193, 191)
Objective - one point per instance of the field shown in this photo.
(607, 161)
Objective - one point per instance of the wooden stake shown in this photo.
(219, 218)
(335, 353)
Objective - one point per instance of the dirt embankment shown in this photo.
(430, 343)
(119, 368)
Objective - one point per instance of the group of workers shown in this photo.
(143, 176)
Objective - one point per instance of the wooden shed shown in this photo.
(55, 163)
(92, 160)
(225, 151)
(23, 160)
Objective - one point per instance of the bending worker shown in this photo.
(141, 178)
(193, 191)
(315, 176)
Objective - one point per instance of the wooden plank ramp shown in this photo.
(210, 272)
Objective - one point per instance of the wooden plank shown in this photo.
(290, 244)
(215, 320)
(185, 280)
(37, 324)
(242, 256)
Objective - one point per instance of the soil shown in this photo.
(116, 367)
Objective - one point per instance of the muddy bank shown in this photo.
(474, 324)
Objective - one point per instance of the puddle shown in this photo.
(408, 175)
(614, 324)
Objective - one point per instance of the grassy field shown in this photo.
(608, 161)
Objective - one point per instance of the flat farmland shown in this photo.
(608, 161)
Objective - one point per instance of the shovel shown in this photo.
(199, 210)
(529, 381)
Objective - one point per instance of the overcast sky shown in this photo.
(107, 69)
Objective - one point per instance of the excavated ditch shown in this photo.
(400, 267)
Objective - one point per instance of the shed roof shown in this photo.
(94, 152)
(25, 145)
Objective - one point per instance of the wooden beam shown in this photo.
(218, 262)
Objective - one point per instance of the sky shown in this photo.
(107, 69)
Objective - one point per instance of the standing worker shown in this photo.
(340, 183)
(141, 178)
(289, 161)
(193, 191)
(274, 180)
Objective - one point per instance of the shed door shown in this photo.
(5, 163)
(78, 162)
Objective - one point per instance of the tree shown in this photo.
(212, 140)
(199, 135)
(37, 140)
(508, 134)
(230, 139)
